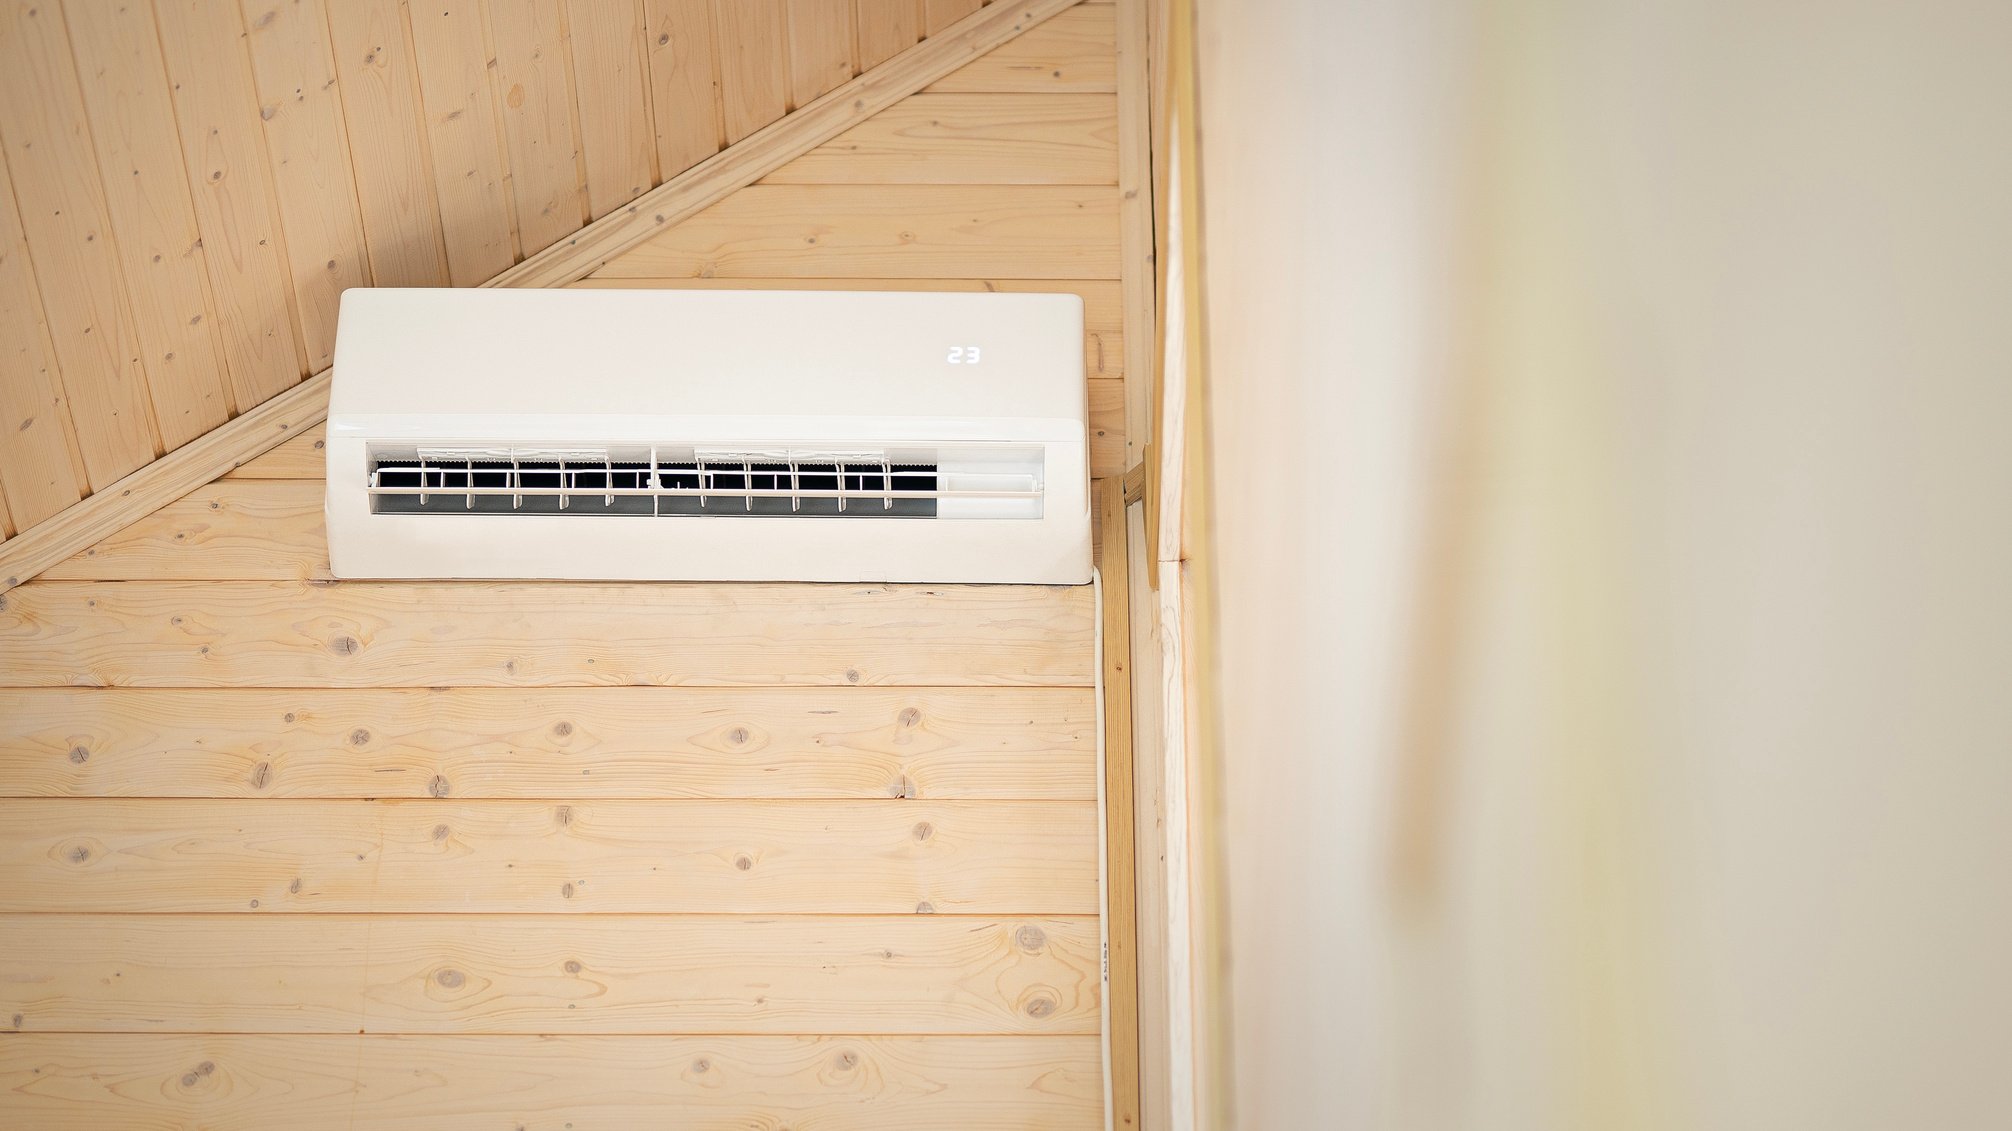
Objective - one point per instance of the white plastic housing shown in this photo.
(978, 380)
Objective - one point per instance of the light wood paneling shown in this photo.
(753, 38)
(394, 177)
(37, 477)
(534, 70)
(684, 83)
(463, 129)
(279, 634)
(237, 531)
(303, 457)
(307, 143)
(551, 743)
(1072, 52)
(692, 856)
(79, 1082)
(616, 137)
(886, 28)
(537, 974)
(940, 14)
(820, 47)
(69, 233)
(132, 125)
(891, 231)
(980, 139)
(224, 157)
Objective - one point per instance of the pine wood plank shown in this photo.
(162, 481)
(472, 974)
(692, 856)
(457, 1083)
(753, 37)
(307, 143)
(716, 177)
(820, 48)
(302, 457)
(552, 743)
(1103, 316)
(1121, 937)
(684, 83)
(534, 69)
(886, 28)
(132, 125)
(612, 86)
(978, 139)
(1077, 50)
(63, 213)
(531, 634)
(938, 15)
(6, 516)
(387, 141)
(1135, 218)
(37, 475)
(245, 529)
(224, 156)
(465, 137)
(891, 231)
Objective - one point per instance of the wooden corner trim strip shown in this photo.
(85, 523)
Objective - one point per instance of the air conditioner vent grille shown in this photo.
(678, 481)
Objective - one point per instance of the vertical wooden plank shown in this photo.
(1121, 915)
(216, 105)
(394, 179)
(464, 137)
(941, 14)
(6, 516)
(609, 74)
(308, 152)
(820, 47)
(754, 71)
(133, 128)
(886, 29)
(533, 70)
(1135, 219)
(62, 210)
(38, 476)
(684, 83)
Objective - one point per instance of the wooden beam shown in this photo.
(1121, 912)
(338, 1082)
(219, 451)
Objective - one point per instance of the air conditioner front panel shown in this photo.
(734, 457)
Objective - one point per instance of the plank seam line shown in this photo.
(258, 430)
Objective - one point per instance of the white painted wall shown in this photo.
(1612, 414)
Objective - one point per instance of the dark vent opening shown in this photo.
(677, 488)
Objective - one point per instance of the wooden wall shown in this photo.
(188, 185)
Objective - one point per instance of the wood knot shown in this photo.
(1040, 1007)
(562, 728)
(909, 716)
(566, 891)
(565, 814)
(294, 887)
(1031, 938)
(925, 908)
(743, 862)
(902, 788)
(289, 717)
(702, 1065)
(17, 1021)
(852, 675)
(205, 1068)
(344, 646)
(261, 774)
(79, 854)
(450, 978)
(738, 736)
(440, 832)
(79, 755)
(924, 830)
(572, 966)
(190, 1079)
(437, 786)
(359, 736)
(846, 1061)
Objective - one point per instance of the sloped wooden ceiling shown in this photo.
(189, 185)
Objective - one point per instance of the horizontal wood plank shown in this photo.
(87, 1082)
(241, 530)
(979, 139)
(520, 857)
(551, 743)
(634, 974)
(531, 634)
(891, 232)
(303, 457)
(1075, 51)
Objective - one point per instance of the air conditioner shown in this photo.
(708, 435)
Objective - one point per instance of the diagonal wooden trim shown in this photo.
(775, 145)
(188, 467)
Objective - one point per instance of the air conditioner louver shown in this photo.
(503, 433)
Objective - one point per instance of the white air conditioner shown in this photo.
(709, 435)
